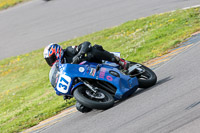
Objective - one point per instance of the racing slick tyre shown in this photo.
(101, 100)
(146, 79)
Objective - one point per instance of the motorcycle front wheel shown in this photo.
(101, 100)
(146, 79)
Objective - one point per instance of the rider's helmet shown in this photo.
(53, 53)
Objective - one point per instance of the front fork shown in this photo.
(91, 87)
(86, 83)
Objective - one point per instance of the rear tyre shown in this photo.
(101, 100)
(146, 79)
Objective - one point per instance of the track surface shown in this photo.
(173, 105)
(34, 24)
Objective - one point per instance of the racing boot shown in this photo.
(124, 64)
(82, 108)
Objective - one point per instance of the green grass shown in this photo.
(26, 96)
(8, 3)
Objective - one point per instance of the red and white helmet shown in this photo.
(53, 53)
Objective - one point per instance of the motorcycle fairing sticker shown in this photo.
(109, 78)
(81, 69)
(92, 71)
(61, 67)
(102, 73)
(63, 83)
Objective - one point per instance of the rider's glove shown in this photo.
(77, 59)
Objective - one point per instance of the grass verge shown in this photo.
(26, 96)
(8, 3)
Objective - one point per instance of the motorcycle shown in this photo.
(98, 86)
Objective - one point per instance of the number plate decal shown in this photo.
(63, 83)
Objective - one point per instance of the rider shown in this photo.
(84, 52)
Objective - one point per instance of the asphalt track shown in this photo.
(172, 105)
(34, 24)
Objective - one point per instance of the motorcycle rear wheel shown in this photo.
(102, 100)
(146, 79)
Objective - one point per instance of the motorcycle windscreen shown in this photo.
(54, 75)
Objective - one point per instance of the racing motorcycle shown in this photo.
(98, 86)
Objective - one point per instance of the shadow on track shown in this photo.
(140, 90)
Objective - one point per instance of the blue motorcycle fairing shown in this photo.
(124, 84)
(68, 73)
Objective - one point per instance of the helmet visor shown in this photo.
(51, 60)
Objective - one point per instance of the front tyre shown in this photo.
(146, 79)
(101, 100)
